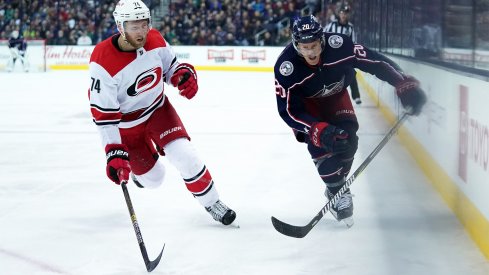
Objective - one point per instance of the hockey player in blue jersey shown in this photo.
(18, 47)
(311, 77)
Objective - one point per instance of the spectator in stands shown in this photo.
(267, 39)
(221, 35)
(212, 40)
(72, 37)
(175, 41)
(60, 38)
(230, 41)
(241, 37)
(283, 36)
(291, 12)
(168, 33)
(84, 39)
(202, 39)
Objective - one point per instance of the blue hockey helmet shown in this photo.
(307, 29)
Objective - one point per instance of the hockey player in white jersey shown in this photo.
(134, 116)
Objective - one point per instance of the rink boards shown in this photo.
(449, 140)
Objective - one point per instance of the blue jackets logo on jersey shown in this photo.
(331, 89)
(335, 41)
(286, 68)
(145, 81)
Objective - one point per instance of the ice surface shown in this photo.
(60, 215)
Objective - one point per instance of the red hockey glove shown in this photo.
(118, 167)
(329, 137)
(185, 79)
(411, 96)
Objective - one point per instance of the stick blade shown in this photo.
(151, 265)
(290, 230)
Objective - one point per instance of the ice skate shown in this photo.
(10, 67)
(358, 101)
(221, 213)
(342, 210)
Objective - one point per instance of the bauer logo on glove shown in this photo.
(118, 167)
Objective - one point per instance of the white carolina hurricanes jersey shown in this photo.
(126, 87)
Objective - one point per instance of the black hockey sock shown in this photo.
(334, 190)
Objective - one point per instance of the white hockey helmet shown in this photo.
(130, 10)
(15, 34)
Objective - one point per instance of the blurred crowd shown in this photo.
(188, 22)
(59, 22)
(231, 22)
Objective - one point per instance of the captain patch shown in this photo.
(335, 41)
(286, 68)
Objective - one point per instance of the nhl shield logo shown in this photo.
(286, 68)
(335, 41)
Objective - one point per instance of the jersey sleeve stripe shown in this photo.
(172, 64)
(99, 116)
(288, 103)
(395, 72)
(339, 61)
(104, 109)
(173, 61)
(293, 117)
(108, 122)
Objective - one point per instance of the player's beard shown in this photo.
(136, 42)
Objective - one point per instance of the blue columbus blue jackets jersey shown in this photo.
(299, 85)
(18, 43)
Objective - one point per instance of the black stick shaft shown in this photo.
(150, 265)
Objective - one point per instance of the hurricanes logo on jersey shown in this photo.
(145, 81)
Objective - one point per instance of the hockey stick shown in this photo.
(150, 265)
(302, 231)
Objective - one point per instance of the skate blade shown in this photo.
(234, 224)
(348, 222)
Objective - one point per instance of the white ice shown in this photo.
(59, 214)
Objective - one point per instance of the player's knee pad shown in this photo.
(154, 177)
(351, 127)
(332, 169)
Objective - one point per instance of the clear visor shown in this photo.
(309, 49)
(137, 27)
